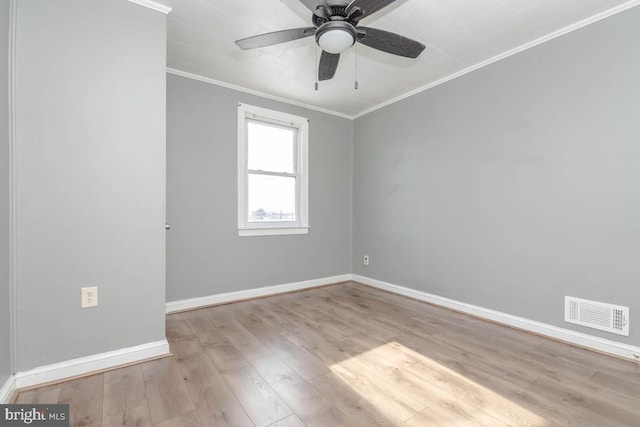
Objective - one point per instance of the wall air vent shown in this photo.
(597, 315)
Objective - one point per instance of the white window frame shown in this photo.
(301, 225)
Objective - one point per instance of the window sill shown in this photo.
(271, 231)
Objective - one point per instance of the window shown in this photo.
(273, 179)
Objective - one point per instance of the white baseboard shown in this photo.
(573, 337)
(192, 303)
(7, 390)
(94, 363)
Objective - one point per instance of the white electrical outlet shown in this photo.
(365, 260)
(90, 297)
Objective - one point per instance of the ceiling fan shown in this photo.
(335, 26)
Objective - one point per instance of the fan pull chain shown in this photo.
(356, 82)
(316, 69)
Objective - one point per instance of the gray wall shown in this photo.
(5, 320)
(205, 256)
(514, 185)
(90, 122)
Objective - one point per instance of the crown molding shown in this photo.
(153, 5)
(595, 18)
(256, 93)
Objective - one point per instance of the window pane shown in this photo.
(272, 198)
(271, 148)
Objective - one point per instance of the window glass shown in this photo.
(272, 198)
(270, 148)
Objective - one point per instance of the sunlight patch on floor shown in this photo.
(403, 384)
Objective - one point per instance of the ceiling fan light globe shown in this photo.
(336, 37)
(336, 40)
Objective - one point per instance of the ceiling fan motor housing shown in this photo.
(336, 11)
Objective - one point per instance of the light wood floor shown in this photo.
(350, 355)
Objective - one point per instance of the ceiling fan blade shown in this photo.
(268, 39)
(391, 43)
(355, 14)
(368, 7)
(328, 65)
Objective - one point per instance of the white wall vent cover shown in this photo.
(597, 315)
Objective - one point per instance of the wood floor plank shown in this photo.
(437, 416)
(313, 304)
(290, 421)
(217, 407)
(367, 303)
(387, 356)
(359, 407)
(300, 321)
(405, 304)
(327, 350)
(622, 384)
(615, 400)
(519, 356)
(484, 370)
(274, 314)
(370, 301)
(86, 388)
(129, 417)
(181, 336)
(86, 412)
(402, 324)
(225, 357)
(123, 390)
(599, 362)
(43, 395)
(237, 335)
(199, 374)
(184, 346)
(418, 392)
(303, 398)
(262, 404)
(213, 399)
(477, 398)
(176, 327)
(573, 406)
(85, 399)
(361, 320)
(400, 402)
(190, 419)
(300, 360)
(485, 334)
(203, 327)
(166, 391)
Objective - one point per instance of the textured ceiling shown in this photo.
(459, 34)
